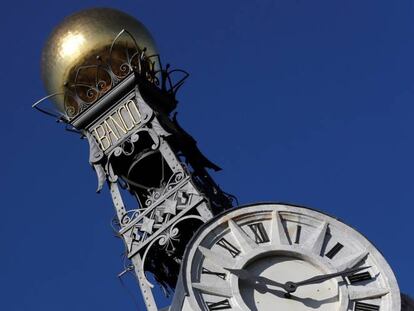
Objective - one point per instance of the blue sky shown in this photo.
(306, 102)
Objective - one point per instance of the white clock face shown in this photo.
(280, 257)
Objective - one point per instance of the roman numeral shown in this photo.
(298, 231)
(221, 305)
(334, 250)
(216, 289)
(259, 232)
(359, 277)
(220, 275)
(245, 242)
(233, 250)
(360, 306)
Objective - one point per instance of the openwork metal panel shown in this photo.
(147, 159)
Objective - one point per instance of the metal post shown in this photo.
(145, 288)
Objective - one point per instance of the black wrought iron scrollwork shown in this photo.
(156, 194)
(167, 240)
(131, 215)
(156, 161)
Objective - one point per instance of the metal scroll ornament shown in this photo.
(89, 83)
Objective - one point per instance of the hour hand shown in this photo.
(246, 275)
(250, 278)
(291, 287)
(241, 273)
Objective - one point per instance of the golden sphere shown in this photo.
(86, 37)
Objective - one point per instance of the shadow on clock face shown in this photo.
(281, 269)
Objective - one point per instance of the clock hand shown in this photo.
(248, 277)
(270, 282)
(291, 287)
(241, 273)
(245, 275)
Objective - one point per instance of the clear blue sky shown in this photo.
(307, 102)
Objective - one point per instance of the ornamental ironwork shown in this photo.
(123, 106)
(89, 83)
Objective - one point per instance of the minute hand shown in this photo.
(292, 286)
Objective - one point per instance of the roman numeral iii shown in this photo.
(360, 306)
(359, 277)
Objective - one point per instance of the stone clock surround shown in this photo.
(180, 303)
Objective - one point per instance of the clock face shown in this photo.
(280, 257)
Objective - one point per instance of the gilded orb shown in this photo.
(85, 38)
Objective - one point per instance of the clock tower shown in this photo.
(106, 83)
